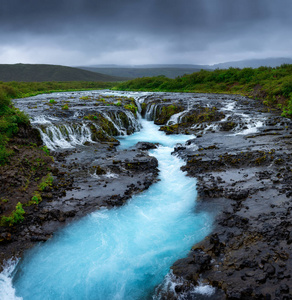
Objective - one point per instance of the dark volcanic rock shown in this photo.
(248, 254)
(146, 146)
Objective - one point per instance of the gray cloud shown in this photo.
(153, 31)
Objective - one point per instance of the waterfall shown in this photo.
(151, 112)
(64, 135)
(73, 132)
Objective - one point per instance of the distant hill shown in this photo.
(150, 66)
(39, 73)
(171, 71)
(254, 63)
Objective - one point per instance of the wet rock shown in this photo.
(236, 195)
(146, 145)
(227, 126)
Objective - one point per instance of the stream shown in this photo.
(119, 253)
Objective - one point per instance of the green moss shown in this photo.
(119, 103)
(170, 128)
(164, 113)
(131, 107)
(203, 115)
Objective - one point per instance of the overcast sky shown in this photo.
(87, 32)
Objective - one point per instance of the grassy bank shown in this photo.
(273, 86)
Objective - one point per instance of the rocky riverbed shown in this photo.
(241, 157)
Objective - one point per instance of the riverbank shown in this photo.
(243, 166)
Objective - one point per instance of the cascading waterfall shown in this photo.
(65, 135)
(174, 119)
(56, 135)
(151, 112)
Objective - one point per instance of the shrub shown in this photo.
(287, 88)
(15, 217)
(36, 198)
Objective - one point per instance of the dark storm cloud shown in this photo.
(172, 27)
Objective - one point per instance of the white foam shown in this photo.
(111, 175)
(41, 119)
(7, 291)
(252, 127)
(202, 289)
(167, 289)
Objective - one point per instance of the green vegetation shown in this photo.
(271, 85)
(10, 119)
(36, 199)
(119, 103)
(46, 150)
(85, 98)
(132, 107)
(47, 181)
(14, 218)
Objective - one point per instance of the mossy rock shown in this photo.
(164, 112)
(227, 126)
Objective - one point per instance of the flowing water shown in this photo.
(121, 253)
